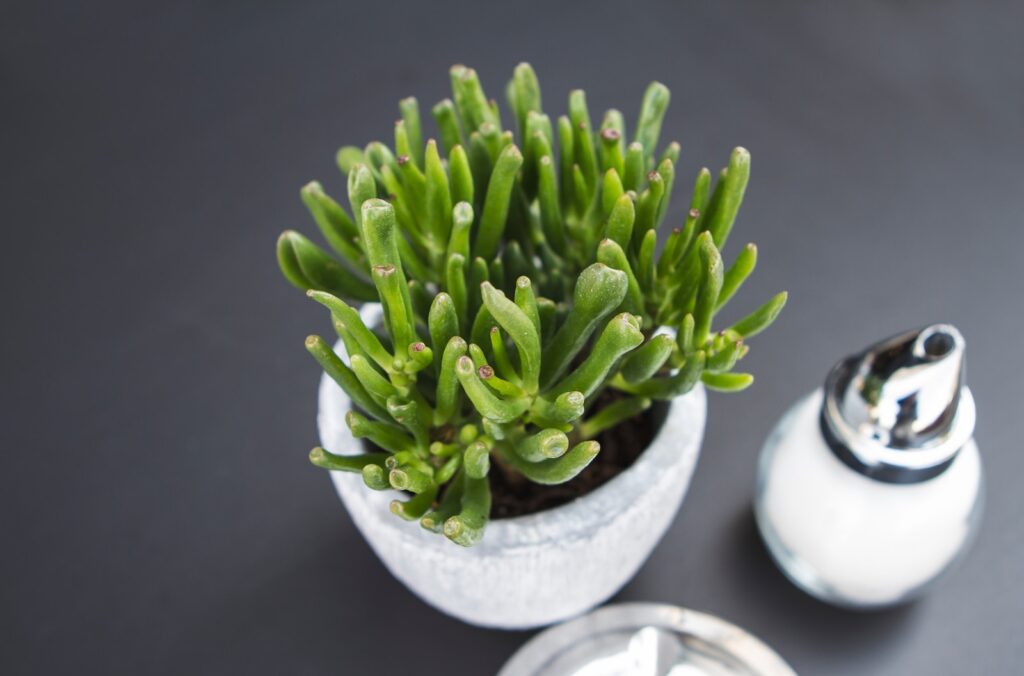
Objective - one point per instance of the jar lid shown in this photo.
(645, 639)
(898, 411)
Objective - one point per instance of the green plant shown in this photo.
(515, 288)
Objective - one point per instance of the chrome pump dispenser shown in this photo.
(871, 487)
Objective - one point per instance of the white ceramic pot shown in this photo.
(537, 569)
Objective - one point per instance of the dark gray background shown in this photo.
(159, 515)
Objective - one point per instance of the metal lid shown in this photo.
(899, 411)
(645, 639)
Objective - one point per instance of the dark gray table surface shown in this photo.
(159, 515)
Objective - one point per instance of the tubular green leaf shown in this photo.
(480, 164)
(583, 138)
(438, 195)
(684, 337)
(701, 187)
(581, 192)
(501, 357)
(599, 290)
(611, 254)
(335, 225)
(488, 404)
(761, 318)
(343, 375)
(720, 220)
(727, 382)
(462, 225)
(446, 471)
(447, 124)
(495, 212)
(353, 323)
(477, 460)
(307, 266)
(611, 150)
(526, 95)
(521, 329)
(480, 332)
(612, 415)
(455, 277)
(666, 261)
(420, 296)
(648, 358)
(406, 478)
(647, 204)
(611, 191)
(416, 506)
(652, 111)
(565, 408)
(361, 187)
(476, 353)
(537, 142)
(620, 222)
(442, 322)
(345, 463)
(711, 285)
(450, 505)
(633, 177)
(526, 301)
(671, 153)
(461, 176)
(376, 478)
(377, 157)
(413, 181)
(420, 357)
(394, 297)
(544, 445)
(566, 160)
(448, 390)
(385, 435)
(723, 359)
(667, 171)
(467, 527)
(492, 139)
(410, 109)
(377, 385)
(558, 470)
(550, 211)
(645, 260)
(379, 236)
(613, 119)
(737, 274)
(621, 335)
(403, 148)
(348, 157)
(675, 385)
(407, 413)
(471, 100)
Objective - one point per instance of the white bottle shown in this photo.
(870, 488)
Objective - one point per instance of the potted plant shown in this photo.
(523, 380)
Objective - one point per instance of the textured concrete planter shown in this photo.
(537, 569)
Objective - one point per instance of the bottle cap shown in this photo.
(898, 411)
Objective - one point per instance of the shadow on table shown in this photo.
(331, 607)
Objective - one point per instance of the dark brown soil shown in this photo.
(512, 495)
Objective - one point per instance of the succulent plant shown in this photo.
(515, 287)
